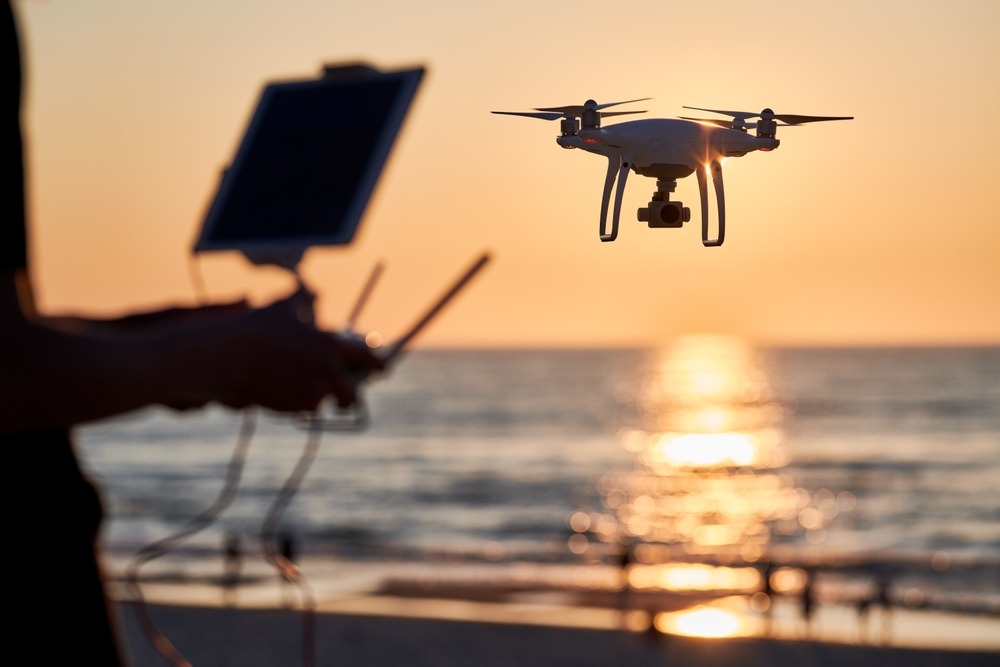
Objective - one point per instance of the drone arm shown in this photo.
(720, 199)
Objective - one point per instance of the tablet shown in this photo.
(308, 163)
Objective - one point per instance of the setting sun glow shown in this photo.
(134, 110)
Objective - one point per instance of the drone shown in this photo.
(666, 149)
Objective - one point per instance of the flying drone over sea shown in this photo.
(666, 149)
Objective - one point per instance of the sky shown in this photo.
(877, 231)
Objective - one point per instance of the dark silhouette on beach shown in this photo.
(62, 371)
(232, 568)
(288, 583)
(884, 602)
(807, 601)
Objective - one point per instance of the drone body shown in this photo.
(666, 149)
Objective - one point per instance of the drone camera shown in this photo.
(664, 214)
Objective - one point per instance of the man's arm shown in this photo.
(55, 377)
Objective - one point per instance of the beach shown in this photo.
(479, 516)
(402, 615)
(209, 635)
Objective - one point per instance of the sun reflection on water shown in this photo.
(727, 619)
(692, 576)
(706, 496)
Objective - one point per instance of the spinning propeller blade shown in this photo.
(742, 115)
(531, 114)
(791, 119)
(573, 111)
(620, 113)
(714, 121)
(556, 115)
(577, 109)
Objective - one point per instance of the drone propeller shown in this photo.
(728, 124)
(576, 110)
(620, 113)
(794, 119)
(573, 110)
(791, 119)
(531, 114)
(731, 124)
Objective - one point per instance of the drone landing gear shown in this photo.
(662, 212)
(617, 168)
(720, 197)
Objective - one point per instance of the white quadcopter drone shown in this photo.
(666, 149)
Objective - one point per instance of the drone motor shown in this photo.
(569, 128)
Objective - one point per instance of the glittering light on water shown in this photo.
(705, 487)
(579, 521)
(708, 622)
(788, 580)
(693, 577)
(705, 450)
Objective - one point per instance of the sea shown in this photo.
(864, 464)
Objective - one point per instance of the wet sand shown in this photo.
(250, 637)
(399, 616)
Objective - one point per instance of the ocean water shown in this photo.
(863, 460)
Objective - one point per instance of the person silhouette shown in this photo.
(287, 571)
(767, 593)
(232, 568)
(807, 601)
(59, 372)
(884, 602)
(862, 606)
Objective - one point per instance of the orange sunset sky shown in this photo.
(880, 230)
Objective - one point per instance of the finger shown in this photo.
(299, 305)
(303, 295)
(345, 392)
(355, 353)
(234, 307)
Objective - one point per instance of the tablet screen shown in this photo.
(308, 162)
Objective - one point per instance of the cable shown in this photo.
(284, 566)
(160, 547)
(197, 280)
(288, 570)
